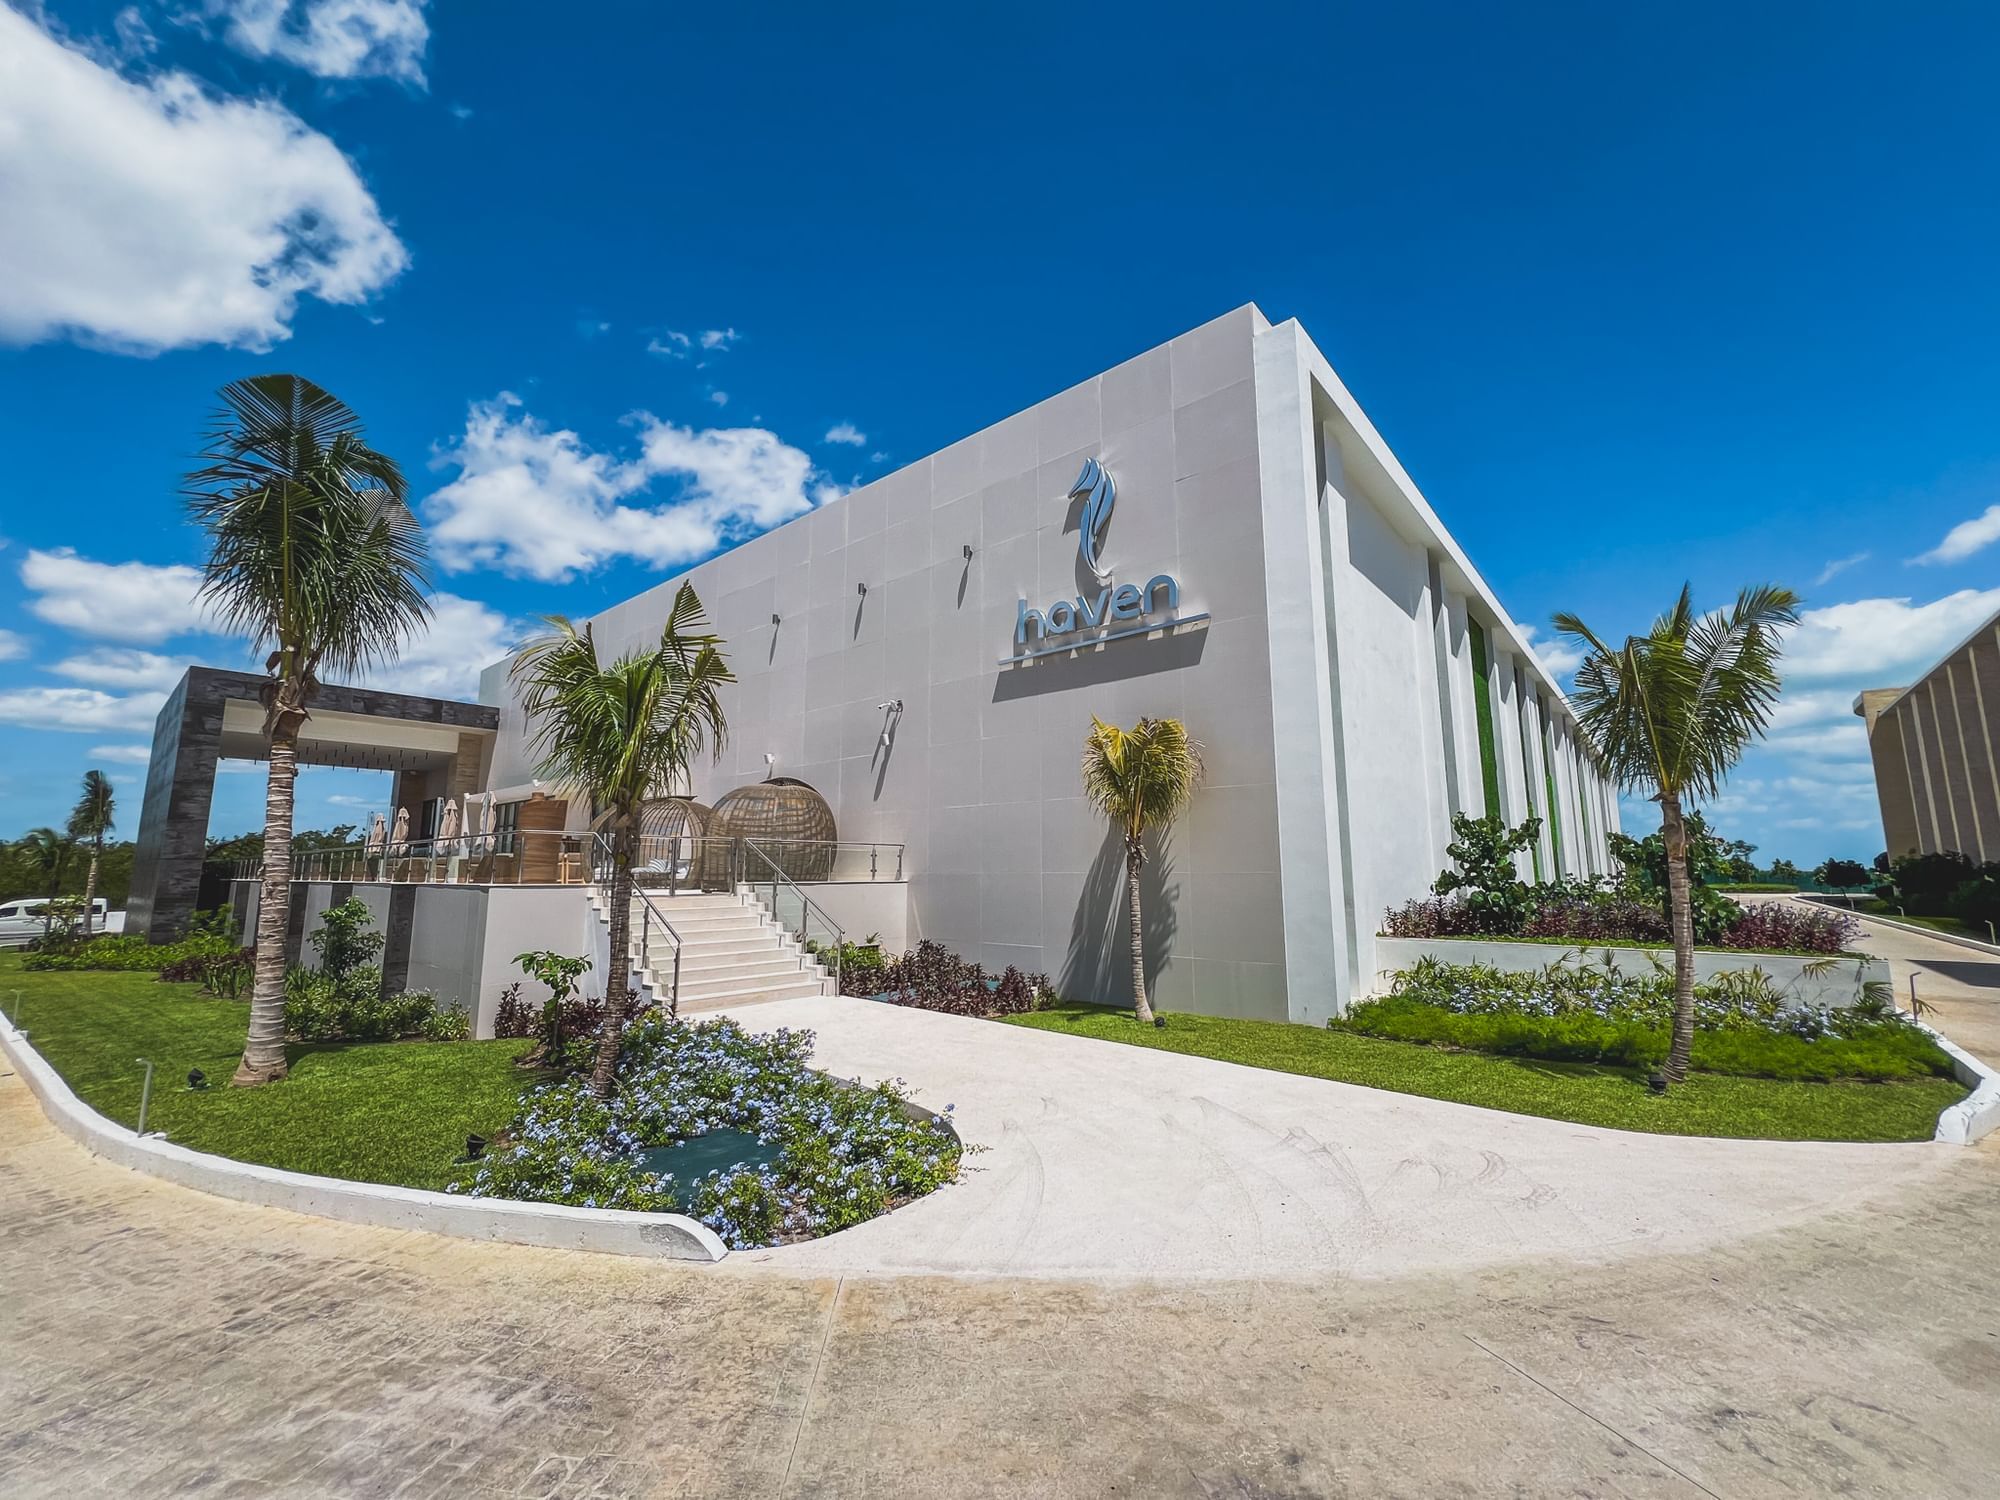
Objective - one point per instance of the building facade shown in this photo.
(1212, 531)
(1932, 743)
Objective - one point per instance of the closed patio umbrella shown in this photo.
(401, 837)
(378, 834)
(448, 821)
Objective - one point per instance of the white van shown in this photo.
(21, 920)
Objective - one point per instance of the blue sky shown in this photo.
(1638, 295)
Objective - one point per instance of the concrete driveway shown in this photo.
(1100, 1160)
(158, 1342)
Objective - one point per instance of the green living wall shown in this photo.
(1482, 703)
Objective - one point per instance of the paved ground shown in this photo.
(160, 1342)
(1960, 985)
(1098, 1159)
(1427, 1301)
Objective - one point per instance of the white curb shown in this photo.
(552, 1226)
(1978, 1113)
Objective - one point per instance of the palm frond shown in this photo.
(1141, 778)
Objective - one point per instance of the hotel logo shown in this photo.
(1115, 611)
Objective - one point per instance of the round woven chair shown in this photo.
(789, 821)
(671, 835)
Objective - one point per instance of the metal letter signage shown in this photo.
(1085, 617)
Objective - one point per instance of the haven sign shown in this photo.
(1113, 611)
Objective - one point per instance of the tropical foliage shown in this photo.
(837, 1154)
(1579, 1012)
(90, 823)
(618, 733)
(1142, 779)
(1670, 713)
(313, 554)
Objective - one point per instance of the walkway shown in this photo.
(1098, 1159)
(1961, 985)
(162, 1343)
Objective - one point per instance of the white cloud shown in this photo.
(130, 755)
(137, 602)
(719, 338)
(1838, 566)
(122, 669)
(1882, 642)
(81, 709)
(149, 214)
(1966, 538)
(720, 398)
(846, 432)
(445, 661)
(12, 646)
(674, 346)
(1558, 657)
(332, 38)
(537, 501)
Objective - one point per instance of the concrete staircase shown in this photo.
(732, 952)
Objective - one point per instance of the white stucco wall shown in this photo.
(1314, 687)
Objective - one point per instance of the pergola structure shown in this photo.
(435, 747)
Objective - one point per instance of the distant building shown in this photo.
(1936, 775)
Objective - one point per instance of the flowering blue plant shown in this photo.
(843, 1153)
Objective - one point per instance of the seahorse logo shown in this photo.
(1100, 494)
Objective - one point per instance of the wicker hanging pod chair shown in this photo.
(789, 821)
(672, 834)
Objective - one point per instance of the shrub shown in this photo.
(932, 977)
(1495, 898)
(862, 966)
(844, 1154)
(1874, 1051)
(352, 1008)
(342, 940)
(1784, 926)
(1599, 918)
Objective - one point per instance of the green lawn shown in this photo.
(1936, 924)
(1707, 1104)
(394, 1112)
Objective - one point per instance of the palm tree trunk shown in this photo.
(264, 1049)
(90, 883)
(616, 985)
(1135, 856)
(1680, 919)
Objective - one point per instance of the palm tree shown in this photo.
(49, 852)
(1673, 711)
(90, 820)
(1142, 778)
(313, 554)
(619, 733)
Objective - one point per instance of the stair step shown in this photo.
(803, 989)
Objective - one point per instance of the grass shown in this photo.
(395, 1112)
(1956, 925)
(1707, 1104)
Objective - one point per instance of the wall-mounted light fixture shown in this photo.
(968, 552)
(774, 619)
(861, 589)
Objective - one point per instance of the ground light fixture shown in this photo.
(197, 1079)
(475, 1147)
(1656, 1083)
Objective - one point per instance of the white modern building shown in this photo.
(1212, 531)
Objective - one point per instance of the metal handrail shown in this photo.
(807, 905)
(602, 869)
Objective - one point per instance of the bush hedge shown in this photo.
(1874, 1051)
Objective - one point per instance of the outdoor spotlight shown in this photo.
(1159, 1023)
(475, 1147)
(775, 620)
(1656, 1083)
(861, 589)
(968, 552)
(197, 1079)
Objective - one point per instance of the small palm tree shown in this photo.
(618, 733)
(90, 821)
(48, 851)
(1672, 711)
(1142, 778)
(313, 554)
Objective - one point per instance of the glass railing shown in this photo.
(525, 857)
(791, 908)
(512, 857)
